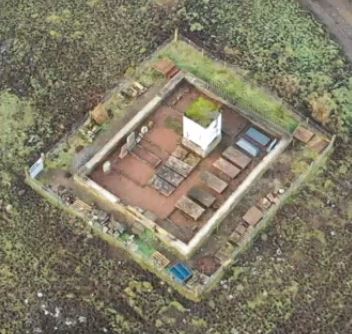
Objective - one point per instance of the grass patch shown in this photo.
(202, 111)
(16, 118)
(247, 96)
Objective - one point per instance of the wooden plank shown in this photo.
(226, 167)
(236, 157)
(213, 182)
(190, 207)
(162, 186)
(145, 155)
(179, 166)
(253, 216)
(169, 175)
(203, 197)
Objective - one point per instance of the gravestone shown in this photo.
(144, 130)
(123, 151)
(131, 141)
(37, 167)
(107, 167)
(190, 207)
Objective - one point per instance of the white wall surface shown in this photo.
(202, 137)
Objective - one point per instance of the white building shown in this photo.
(202, 136)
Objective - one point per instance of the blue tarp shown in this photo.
(258, 136)
(248, 147)
(181, 272)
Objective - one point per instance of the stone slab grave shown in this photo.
(145, 155)
(180, 153)
(317, 144)
(253, 216)
(236, 157)
(179, 166)
(213, 182)
(169, 175)
(192, 159)
(225, 252)
(227, 168)
(81, 206)
(303, 135)
(201, 196)
(234, 237)
(162, 186)
(241, 229)
(160, 260)
(190, 207)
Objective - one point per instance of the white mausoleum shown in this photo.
(202, 138)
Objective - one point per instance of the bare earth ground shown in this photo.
(337, 16)
(130, 177)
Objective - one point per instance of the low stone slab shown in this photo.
(192, 160)
(169, 175)
(201, 196)
(234, 238)
(227, 167)
(180, 153)
(264, 203)
(160, 260)
(272, 198)
(253, 216)
(241, 229)
(162, 186)
(213, 182)
(236, 157)
(225, 252)
(190, 207)
(179, 166)
(303, 135)
(81, 206)
(317, 144)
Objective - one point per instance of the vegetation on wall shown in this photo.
(231, 85)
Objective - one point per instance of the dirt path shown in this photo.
(337, 16)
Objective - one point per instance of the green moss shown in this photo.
(203, 111)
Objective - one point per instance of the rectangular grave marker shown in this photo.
(227, 168)
(213, 182)
(179, 166)
(190, 207)
(170, 176)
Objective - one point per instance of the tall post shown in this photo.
(176, 35)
